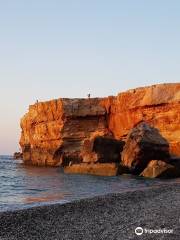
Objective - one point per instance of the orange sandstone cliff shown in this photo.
(53, 132)
(158, 105)
(74, 131)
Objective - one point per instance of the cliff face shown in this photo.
(53, 132)
(65, 131)
(158, 105)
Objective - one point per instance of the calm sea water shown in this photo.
(25, 186)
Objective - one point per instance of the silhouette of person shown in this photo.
(37, 104)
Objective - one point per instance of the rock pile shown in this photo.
(146, 153)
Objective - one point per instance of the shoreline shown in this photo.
(111, 216)
(12, 208)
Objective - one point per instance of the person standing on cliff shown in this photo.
(89, 96)
(37, 104)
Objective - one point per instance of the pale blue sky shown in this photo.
(51, 49)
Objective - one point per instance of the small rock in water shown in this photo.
(18, 155)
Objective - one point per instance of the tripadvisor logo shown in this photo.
(139, 231)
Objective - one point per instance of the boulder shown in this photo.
(143, 144)
(18, 155)
(100, 169)
(160, 169)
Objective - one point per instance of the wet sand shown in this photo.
(111, 217)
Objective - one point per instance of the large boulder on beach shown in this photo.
(143, 144)
(160, 169)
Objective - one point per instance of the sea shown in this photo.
(24, 186)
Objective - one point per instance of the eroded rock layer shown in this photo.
(158, 105)
(53, 132)
(70, 131)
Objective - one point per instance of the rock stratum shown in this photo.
(91, 132)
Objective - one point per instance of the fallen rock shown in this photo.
(100, 169)
(18, 155)
(143, 144)
(160, 169)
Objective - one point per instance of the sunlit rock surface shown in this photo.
(53, 132)
(160, 169)
(100, 169)
(158, 105)
(70, 131)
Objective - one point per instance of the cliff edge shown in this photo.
(93, 131)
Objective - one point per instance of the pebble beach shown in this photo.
(112, 216)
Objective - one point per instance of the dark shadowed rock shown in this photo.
(108, 149)
(160, 169)
(143, 144)
(18, 155)
(102, 149)
(175, 161)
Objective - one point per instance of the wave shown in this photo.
(8, 157)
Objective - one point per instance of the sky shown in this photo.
(51, 49)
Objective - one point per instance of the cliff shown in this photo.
(74, 131)
(53, 132)
(158, 105)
